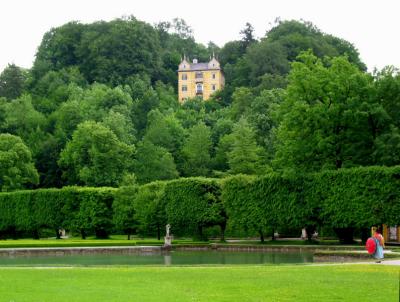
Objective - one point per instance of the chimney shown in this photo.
(194, 61)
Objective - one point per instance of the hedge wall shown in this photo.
(341, 200)
(192, 204)
(149, 208)
(78, 209)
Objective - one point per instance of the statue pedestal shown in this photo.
(167, 242)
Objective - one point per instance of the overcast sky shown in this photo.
(372, 26)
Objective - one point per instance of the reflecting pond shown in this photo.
(170, 258)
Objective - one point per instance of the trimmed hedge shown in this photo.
(149, 205)
(340, 200)
(79, 209)
(193, 204)
(343, 200)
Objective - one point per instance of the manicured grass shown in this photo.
(114, 240)
(121, 240)
(238, 283)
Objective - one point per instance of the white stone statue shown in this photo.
(168, 237)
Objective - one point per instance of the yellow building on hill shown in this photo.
(199, 79)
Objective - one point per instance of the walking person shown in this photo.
(380, 244)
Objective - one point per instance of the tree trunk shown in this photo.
(223, 227)
(345, 235)
(273, 234)
(101, 234)
(158, 232)
(83, 234)
(261, 236)
(35, 234)
(14, 233)
(200, 230)
(58, 234)
(365, 234)
(310, 231)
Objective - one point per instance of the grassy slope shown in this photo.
(239, 283)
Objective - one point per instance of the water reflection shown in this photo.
(162, 258)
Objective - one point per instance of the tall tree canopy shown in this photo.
(16, 166)
(95, 156)
(324, 118)
(12, 81)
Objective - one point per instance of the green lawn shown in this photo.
(114, 240)
(121, 240)
(236, 283)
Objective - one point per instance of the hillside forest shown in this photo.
(99, 107)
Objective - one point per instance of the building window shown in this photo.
(214, 87)
(184, 76)
(184, 88)
(213, 75)
(199, 88)
(199, 75)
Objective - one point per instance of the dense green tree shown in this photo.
(231, 52)
(191, 112)
(106, 52)
(266, 58)
(245, 155)
(16, 167)
(196, 151)
(154, 163)
(261, 117)
(12, 81)
(165, 131)
(23, 120)
(56, 87)
(387, 85)
(298, 36)
(121, 125)
(324, 118)
(222, 150)
(95, 156)
(241, 100)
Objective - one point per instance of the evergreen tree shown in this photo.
(245, 155)
(196, 151)
(12, 82)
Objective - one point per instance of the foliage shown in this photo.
(196, 151)
(153, 163)
(149, 206)
(124, 211)
(12, 82)
(324, 118)
(193, 204)
(245, 155)
(82, 210)
(16, 166)
(95, 156)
